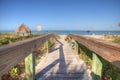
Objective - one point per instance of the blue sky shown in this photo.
(60, 14)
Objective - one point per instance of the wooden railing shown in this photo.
(107, 50)
(12, 54)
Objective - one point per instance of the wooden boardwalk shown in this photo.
(61, 64)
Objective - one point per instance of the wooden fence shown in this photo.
(107, 50)
(12, 54)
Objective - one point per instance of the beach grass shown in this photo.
(109, 72)
(18, 71)
(6, 38)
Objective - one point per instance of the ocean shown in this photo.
(81, 32)
(61, 32)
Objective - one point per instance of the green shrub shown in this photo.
(4, 41)
(14, 71)
(117, 40)
(110, 71)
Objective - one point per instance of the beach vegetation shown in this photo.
(6, 38)
(86, 55)
(109, 71)
(112, 38)
(117, 40)
(18, 71)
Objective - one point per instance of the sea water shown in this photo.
(61, 32)
(81, 32)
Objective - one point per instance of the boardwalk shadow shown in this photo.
(52, 50)
(61, 44)
(46, 69)
(62, 65)
(61, 61)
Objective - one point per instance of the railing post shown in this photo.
(76, 47)
(30, 67)
(96, 68)
(69, 41)
(47, 47)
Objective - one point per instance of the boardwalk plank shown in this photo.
(61, 64)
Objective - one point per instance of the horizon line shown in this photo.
(66, 30)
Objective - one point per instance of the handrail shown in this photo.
(12, 54)
(107, 50)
